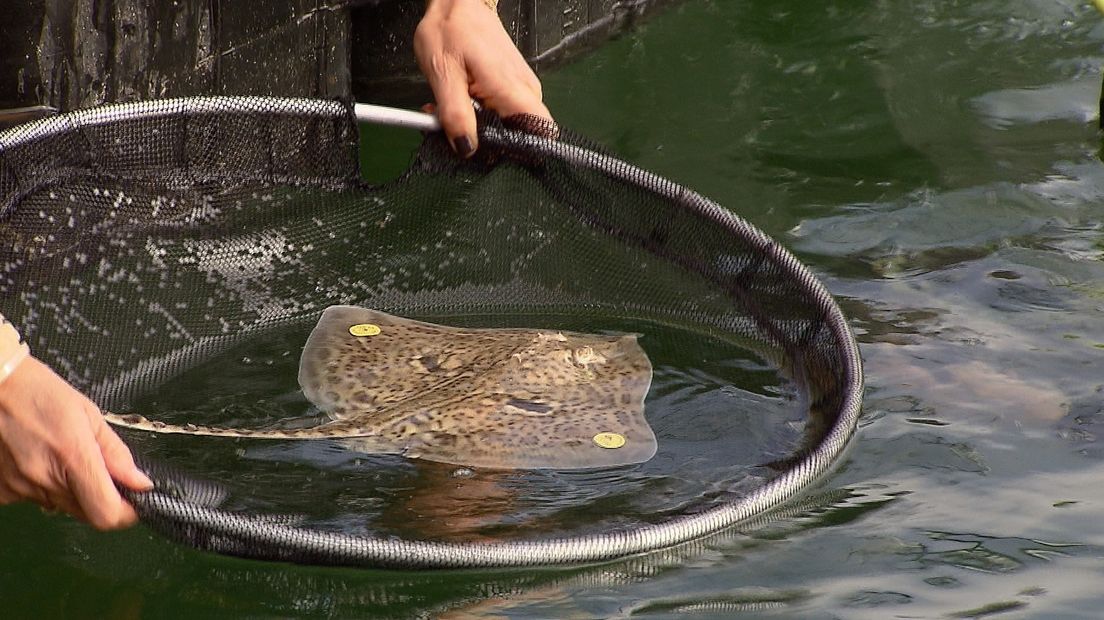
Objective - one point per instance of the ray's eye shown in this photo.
(530, 407)
(425, 363)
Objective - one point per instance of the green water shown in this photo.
(935, 162)
(717, 426)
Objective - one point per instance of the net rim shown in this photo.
(276, 540)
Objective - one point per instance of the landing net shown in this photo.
(145, 247)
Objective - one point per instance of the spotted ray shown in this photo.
(495, 398)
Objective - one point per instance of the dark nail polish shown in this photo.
(463, 146)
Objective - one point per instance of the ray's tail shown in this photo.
(137, 422)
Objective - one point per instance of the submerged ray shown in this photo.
(481, 397)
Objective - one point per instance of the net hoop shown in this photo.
(261, 537)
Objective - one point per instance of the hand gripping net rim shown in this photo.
(258, 536)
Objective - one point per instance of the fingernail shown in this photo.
(144, 479)
(463, 146)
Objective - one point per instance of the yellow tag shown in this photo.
(364, 329)
(609, 440)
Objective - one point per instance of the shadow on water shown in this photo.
(148, 577)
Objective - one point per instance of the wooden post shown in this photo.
(77, 53)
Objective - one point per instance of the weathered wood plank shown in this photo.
(76, 53)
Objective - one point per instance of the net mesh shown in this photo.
(153, 249)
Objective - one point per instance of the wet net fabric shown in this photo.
(140, 242)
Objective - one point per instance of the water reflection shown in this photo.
(230, 584)
(937, 164)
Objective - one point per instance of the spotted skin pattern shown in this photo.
(491, 398)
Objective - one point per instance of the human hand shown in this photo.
(465, 53)
(57, 451)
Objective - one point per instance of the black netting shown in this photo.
(169, 258)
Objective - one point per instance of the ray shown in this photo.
(502, 398)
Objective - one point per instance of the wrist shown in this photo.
(12, 349)
(445, 5)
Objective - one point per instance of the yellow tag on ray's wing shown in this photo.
(480, 363)
(364, 329)
(609, 440)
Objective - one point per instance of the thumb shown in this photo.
(449, 81)
(117, 458)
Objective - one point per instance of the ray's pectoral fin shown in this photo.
(537, 442)
(558, 422)
(357, 361)
(343, 366)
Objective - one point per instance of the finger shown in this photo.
(17, 485)
(531, 107)
(449, 81)
(117, 458)
(24, 489)
(96, 494)
(510, 100)
(15, 489)
(58, 502)
(7, 494)
(519, 103)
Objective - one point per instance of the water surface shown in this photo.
(721, 415)
(936, 163)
